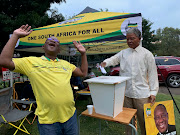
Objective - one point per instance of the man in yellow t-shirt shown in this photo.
(50, 80)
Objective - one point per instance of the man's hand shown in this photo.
(82, 71)
(152, 99)
(79, 47)
(23, 31)
(8, 50)
(103, 64)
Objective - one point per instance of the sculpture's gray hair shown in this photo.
(135, 31)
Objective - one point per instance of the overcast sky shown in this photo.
(163, 13)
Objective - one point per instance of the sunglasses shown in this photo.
(53, 39)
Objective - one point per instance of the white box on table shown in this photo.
(107, 94)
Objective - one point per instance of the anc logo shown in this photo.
(148, 111)
(130, 23)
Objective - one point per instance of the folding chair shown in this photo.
(8, 113)
(23, 91)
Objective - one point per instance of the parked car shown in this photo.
(168, 67)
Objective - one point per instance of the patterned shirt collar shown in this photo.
(163, 133)
(46, 58)
(138, 48)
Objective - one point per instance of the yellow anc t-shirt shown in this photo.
(50, 82)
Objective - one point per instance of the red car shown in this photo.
(168, 66)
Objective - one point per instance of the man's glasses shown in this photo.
(53, 39)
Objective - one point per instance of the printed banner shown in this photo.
(6, 74)
(99, 32)
(159, 118)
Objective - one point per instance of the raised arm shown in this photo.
(8, 50)
(82, 71)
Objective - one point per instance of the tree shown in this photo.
(14, 13)
(169, 41)
(55, 17)
(148, 35)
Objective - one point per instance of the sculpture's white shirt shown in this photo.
(139, 64)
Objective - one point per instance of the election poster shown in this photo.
(159, 118)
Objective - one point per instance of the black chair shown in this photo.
(23, 91)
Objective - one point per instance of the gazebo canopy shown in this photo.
(99, 32)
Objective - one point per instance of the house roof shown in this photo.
(88, 10)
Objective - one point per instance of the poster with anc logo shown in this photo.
(99, 32)
(159, 118)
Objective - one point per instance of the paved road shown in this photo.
(163, 89)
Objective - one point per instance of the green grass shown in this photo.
(90, 126)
